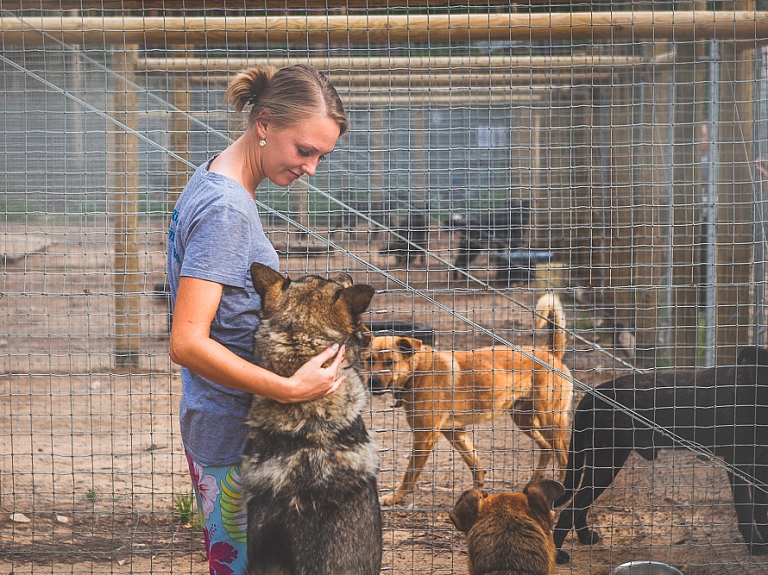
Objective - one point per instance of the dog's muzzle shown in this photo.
(377, 386)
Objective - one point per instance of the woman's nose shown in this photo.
(310, 166)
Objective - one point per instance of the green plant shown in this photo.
(701, 340)
(92, 494)
(184, 506)
(583, 323)
(697, 506)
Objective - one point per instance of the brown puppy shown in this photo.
(509, 533)
(444, 392)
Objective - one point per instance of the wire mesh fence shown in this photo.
(612, 154)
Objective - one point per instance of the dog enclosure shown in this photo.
(614, 153)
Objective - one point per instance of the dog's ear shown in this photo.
(357, 298)
(343, 279)
(542, 494)
(266, 280)
(366, 338)
(407, 345)
(467, 509)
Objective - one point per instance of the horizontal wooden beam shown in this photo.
(469, 83)
(399, 65)
(536, 96)
(232, 5)
(453, 28)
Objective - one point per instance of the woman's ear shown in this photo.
(262, 124)
(261, 128)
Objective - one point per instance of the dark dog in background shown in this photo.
(509, 533)
(724, 409)
(488, 232)
(310, 469)
(414, 228)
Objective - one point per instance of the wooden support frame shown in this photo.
(440, 28)
(576, 63)
(123, 155)
(233, 5)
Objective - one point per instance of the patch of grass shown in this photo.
(697, 506)
(184, 508)
(92, 494)
(583, 323)
(701, 340)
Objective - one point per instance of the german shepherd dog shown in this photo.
(722, 408)
(309, 470)
(444, 392)
(509, 533)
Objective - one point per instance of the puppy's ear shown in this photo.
(407, 345)
(542, 494)
(467, 509)
(266, 280)
(343, 279)
(357, 298)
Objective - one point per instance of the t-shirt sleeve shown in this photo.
(217, 247)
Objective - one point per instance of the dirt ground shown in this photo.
(90, 453)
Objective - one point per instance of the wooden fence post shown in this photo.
(123, 186)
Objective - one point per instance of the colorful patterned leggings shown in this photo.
(223, 518)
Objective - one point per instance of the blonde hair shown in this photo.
(286, 96)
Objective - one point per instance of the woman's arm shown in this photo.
(192, 347)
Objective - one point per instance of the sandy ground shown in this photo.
(91, 456)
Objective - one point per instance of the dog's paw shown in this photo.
(588, 536)
(562, 557)
(390, 500)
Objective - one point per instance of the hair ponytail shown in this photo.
(286, 96)
(247, 87)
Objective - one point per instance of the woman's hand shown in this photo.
(192, 347)
(312, 380)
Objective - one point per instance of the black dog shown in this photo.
(412, 228)
(723, 408)
(309, 470)
(483, 232)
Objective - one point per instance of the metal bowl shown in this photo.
(645, 568)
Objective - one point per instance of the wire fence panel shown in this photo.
(615, 157)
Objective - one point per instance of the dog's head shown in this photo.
(753, 355)
(534, 502)
(465, 513)
(389, 360)
(308, 314)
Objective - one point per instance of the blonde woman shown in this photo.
(294, 119)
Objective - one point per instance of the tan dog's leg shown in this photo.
(423, 444)
(560, 441)
(461, 442)
(545, 454)
(554, 440)
(530, 424)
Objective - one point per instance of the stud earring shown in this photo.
(262, 143)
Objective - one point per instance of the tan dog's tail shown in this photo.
(550, 316)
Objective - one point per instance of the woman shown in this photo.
(295, 119)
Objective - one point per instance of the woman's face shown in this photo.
(296, 150)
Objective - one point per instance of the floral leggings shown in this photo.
(223, 518)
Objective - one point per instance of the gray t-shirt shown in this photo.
(216, 235)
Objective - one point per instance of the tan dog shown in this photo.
(509, 533)
(444, 392)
